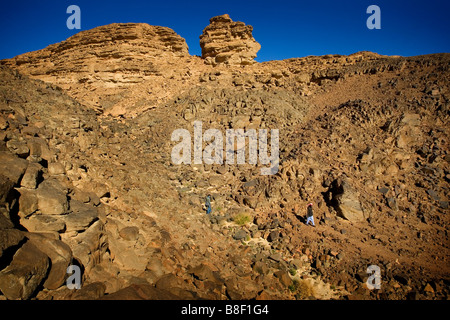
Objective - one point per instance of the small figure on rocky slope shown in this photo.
(208, 204)
(309, 215)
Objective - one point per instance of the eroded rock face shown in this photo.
(106, 59)
(228, 42)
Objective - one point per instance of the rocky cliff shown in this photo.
(103, 63)
(228, 42)
(87, 177)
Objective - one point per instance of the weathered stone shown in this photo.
(284, 278)
(261, 267)
(43, 223)
(90, 246)
(30, 131)
(28, 202)
(12, 167)
(60, 255)
(9, 237)
(39, 148)
(273, 236)
(383, 190)
(18, 147)
(428, 288)
(92, 291)
(228, 42)
(392, 203)
(240, 234)
(55, 168)
(51, 198)
(173, 285)
(25, 273)
(6, 186)
(433, 194)
(5, 222)
(443, 204)
(251, 202)
(276, 256)
(156, 267)
(204, 272)
(348, 205)
(3, 123)
(141, 292)
(31, 176)
(150, 50)
(80, 196)
(81, 217)
(129, 233)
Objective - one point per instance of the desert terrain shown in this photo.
(87, 178)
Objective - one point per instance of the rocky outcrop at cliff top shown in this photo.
(104, 51)
(228, 42)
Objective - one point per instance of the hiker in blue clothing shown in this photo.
(208, 204)
(309, 215)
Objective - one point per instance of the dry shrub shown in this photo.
(304, 289)
(242, 218)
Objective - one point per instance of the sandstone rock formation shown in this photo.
(364, 137)
(228, 42)
(106, 61)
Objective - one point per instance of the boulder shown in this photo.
(92, 291)
(31, 176)
(60, 255)
(283, 277)
(5, 222)
(9, 238)
(52, 198)
(433, 194)
(81, 217)
(27, 270)
(204, 272)
(156, 267)
(43, 223)
(18, 147)
(3, 123)
(240, 235)
(28, 202)
(276, 256)
(346, 201)
(55, 168)
(174, 286)
(251, 202)
(392, 203)
(31, 131)
(89, 246)
(273, 236)
(39, 148)
(6, 187)
(261, 267)
(125, 257)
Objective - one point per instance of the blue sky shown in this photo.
(284, 28)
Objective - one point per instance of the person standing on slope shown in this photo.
(208, 204)
(309, 215)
